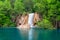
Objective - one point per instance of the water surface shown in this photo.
(31, 34)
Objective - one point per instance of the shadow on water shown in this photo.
(29, 34)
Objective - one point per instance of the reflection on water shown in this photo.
(31, 34)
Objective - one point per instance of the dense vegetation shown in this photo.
(48, 9)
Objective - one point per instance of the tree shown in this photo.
(5, 19)
(19, 6)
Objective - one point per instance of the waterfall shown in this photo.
(30, 19)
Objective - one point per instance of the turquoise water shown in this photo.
(31, 34)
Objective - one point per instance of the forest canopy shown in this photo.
(9, 9)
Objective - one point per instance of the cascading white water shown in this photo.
(30, 22)
(30, 19)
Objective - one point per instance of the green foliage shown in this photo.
(39, 6)
(19, 6)
(45, 24)
(5, 20)
(4, 6)
(28, 4)
(58, 17)
(58, 11)
(50, 10)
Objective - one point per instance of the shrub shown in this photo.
(45, 24)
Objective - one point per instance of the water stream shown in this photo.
(30, 19)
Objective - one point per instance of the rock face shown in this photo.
(23, 20)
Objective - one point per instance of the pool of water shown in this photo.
(31, 34)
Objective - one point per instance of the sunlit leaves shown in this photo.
(45, 24)
(5, 8)
(7, 4)
(18, 6)
(50, 9)
(58, 17)
(51, 1)
(39, 7)
(1, 5)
